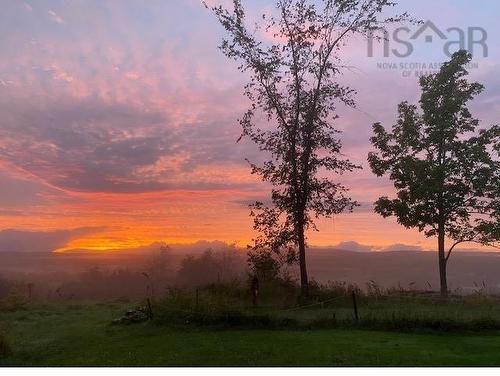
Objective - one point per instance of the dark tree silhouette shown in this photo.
(293, 71)
(445, 171)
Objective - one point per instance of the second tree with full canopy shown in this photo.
(445, 171)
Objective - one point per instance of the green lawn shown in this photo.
(81, 335)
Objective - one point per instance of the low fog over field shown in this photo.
(86, 275)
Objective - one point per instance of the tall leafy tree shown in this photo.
(445, 170)
(293, 58)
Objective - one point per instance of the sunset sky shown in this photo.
(118, 124)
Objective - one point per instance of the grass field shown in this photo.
(81, 334)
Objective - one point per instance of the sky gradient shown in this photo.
(118, 125)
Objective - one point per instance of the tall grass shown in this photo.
(328, 306)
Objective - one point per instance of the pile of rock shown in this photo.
(134, 315)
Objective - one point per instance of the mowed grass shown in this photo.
(81, 334)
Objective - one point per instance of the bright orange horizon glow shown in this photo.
(120, 132)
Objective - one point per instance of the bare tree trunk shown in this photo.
(442, 262)
(304, 283)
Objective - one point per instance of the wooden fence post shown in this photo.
(150, 309)
(197, 299)
(355, 305)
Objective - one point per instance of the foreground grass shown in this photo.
(81, 335)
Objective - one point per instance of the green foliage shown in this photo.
(446, 172)
(443, 168)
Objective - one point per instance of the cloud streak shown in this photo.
(12, 240)
(110, 118)
(357, 247)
